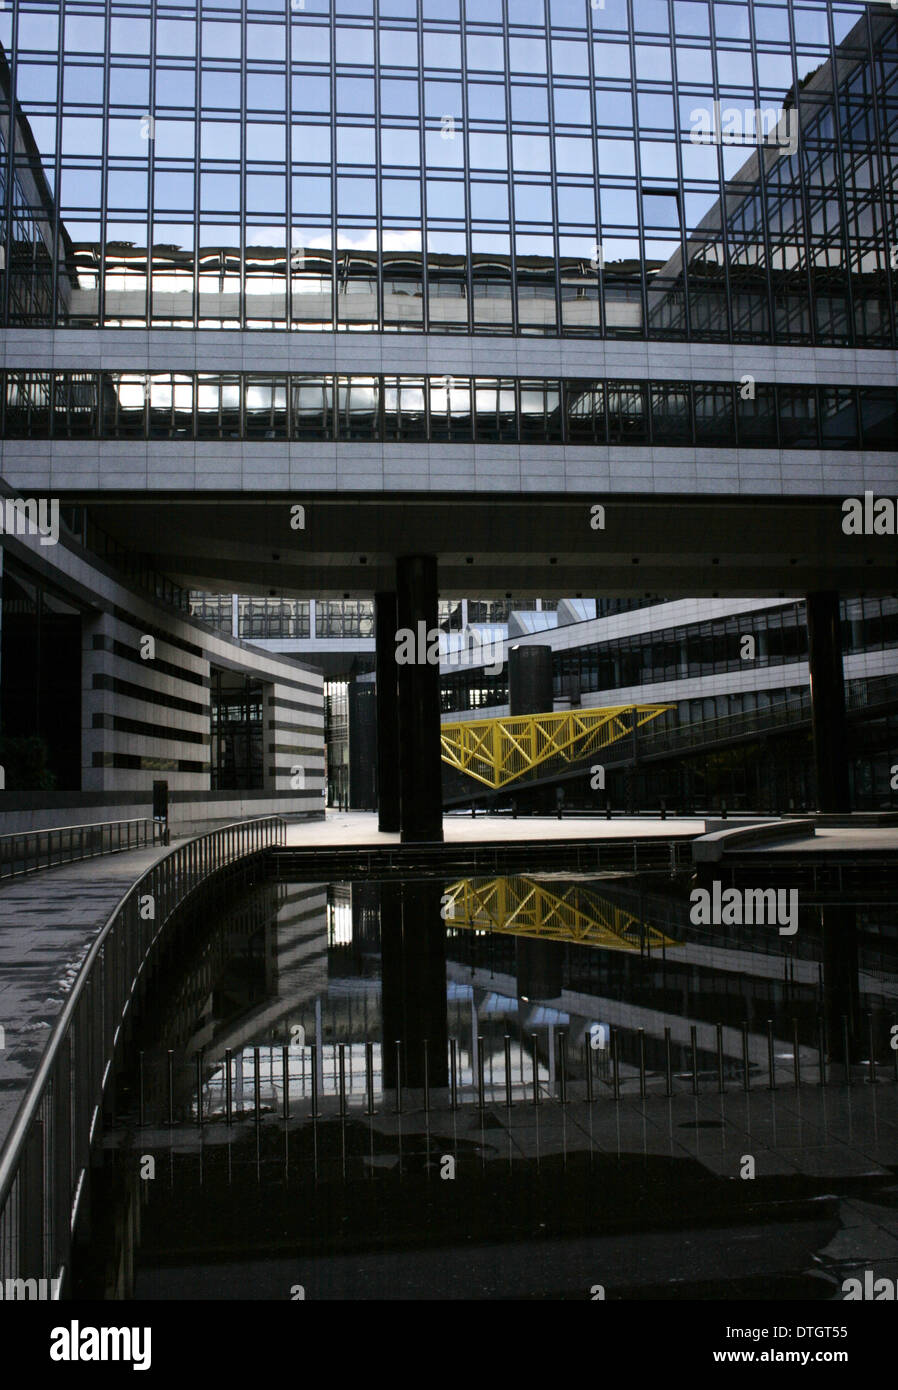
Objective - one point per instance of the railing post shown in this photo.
(871, 1043)
(314, 1051)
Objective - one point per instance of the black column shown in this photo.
(424, 965)
(387, 712)
(392, 1002)
(530, 680)
(420, 765)
(530, 691)
(413, 974)
(828, 702)
(362, 745)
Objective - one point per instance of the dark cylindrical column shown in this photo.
(424, 973)
(539, 966)
(420, 766)
(362, 745)
(392, 1001)
(828, 702)
(530, 692)
(413, 967)
(387, 712)
(530, 680)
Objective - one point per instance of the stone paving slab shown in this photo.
(828, 839)
(341, 829)
(47, 923)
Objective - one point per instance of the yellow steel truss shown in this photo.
(526, 907)
(496, 751)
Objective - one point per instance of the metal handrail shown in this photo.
(44, 1160)
(93, 838)
(723, 726)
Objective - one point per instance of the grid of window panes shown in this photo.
(215, 405)
(700, 649)
(30, 267)
(536, 167)
(236, 714)
(707, 649)
(344, 618)
(214, 609)
(272, 617)
(498, 610)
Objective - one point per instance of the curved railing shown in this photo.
(44, 1161)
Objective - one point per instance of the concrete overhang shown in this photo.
(541, 545)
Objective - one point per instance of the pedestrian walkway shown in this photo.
(47, 923)
(343, 829)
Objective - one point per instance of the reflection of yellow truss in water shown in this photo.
(496, 751)
(525, 907)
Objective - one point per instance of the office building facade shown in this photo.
(267, 258)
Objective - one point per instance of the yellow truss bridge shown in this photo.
(496, 751)
(525, 907)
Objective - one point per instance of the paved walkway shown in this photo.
(341, 828)
(829, 839)
(47, 923)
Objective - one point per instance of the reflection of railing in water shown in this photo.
(525, 907)
(347, 1080)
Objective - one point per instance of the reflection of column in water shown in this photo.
(841, 988)
(413, 967)
(391, 975)
(538, 967)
